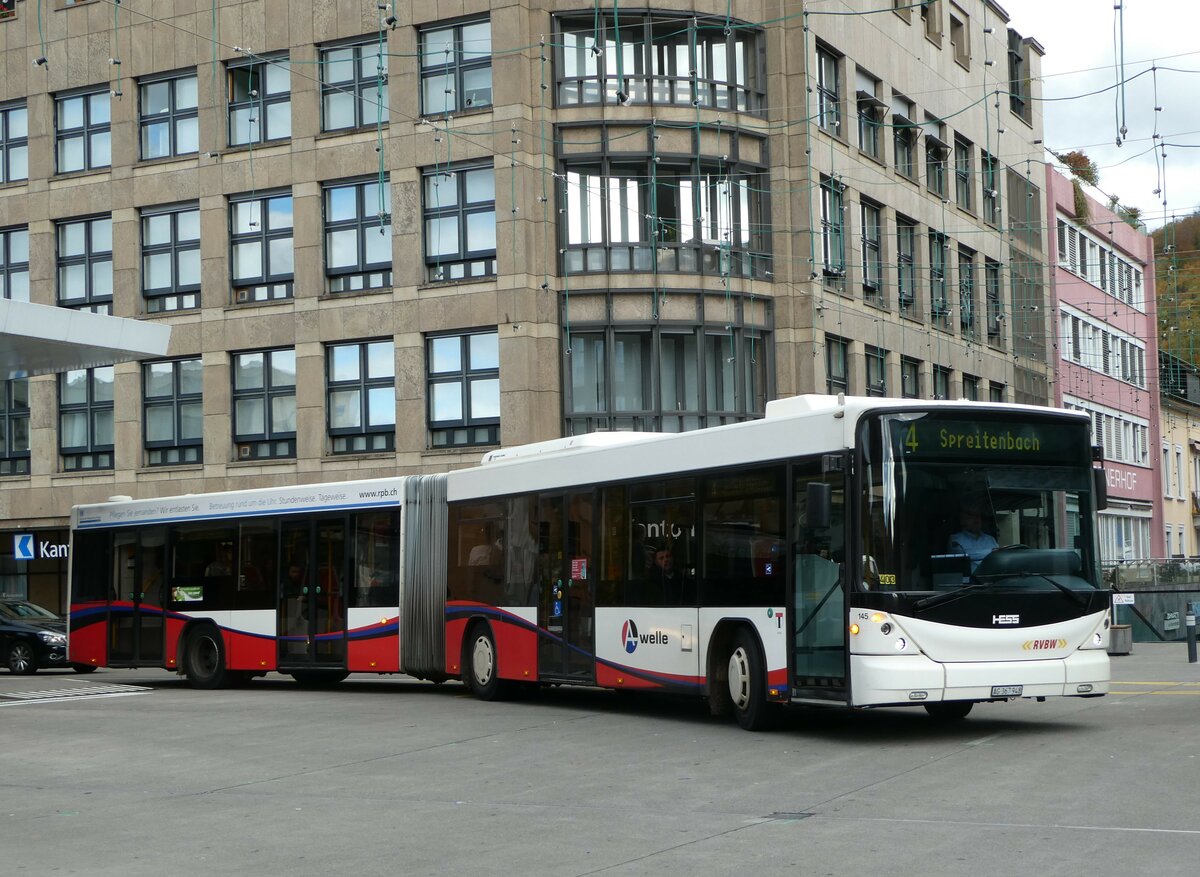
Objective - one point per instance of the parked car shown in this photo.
(32, 638)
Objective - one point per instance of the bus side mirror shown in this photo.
(818, 504)
(1100, 489)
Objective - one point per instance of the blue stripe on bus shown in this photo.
(94, 523)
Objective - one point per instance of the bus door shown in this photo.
(312, 606)
(135, 618)
(819, 617)
(566, 603)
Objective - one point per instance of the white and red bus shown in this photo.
(812, 557)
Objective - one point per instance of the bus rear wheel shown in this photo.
(204, 659)
(747, 681)
(480, 665)
(949, 710)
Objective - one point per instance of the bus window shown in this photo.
(476, 534)
(614, 547)
(662, 563)
(375, 565)
(744, 539)
(258, 552)
(201, 571)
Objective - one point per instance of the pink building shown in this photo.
(1102, 287)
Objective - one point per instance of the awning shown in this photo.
(41, 339)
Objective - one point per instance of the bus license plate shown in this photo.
(1007, 690)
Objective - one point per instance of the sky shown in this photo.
(1079, 38)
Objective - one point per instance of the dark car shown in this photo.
(32, 638)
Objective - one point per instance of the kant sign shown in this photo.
(26, 546)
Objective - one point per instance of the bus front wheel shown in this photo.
(205, 659)
(480, 665)
(748, 684)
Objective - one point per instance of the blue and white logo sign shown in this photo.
(23, 547)
(629, 635)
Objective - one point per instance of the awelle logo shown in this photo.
(629, 635)
(23, 547)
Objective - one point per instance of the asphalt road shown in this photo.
(390, 776)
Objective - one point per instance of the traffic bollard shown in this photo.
(1190, 621)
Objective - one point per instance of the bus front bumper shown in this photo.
(891, 680)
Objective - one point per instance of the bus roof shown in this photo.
(826, 424)
(335, 496)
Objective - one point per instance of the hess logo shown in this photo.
(1006, 619)
(630, 637)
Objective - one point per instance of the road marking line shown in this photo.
(53, 695)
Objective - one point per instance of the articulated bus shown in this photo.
(839, 552)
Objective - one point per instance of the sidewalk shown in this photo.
(1155, 663)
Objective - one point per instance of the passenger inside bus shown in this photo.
(972, 539)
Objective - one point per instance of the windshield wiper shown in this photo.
(1075, 595)
(938, 599)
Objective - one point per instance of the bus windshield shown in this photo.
(999, 500)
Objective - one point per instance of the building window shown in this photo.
(904, 142)
(935, 165)
(709, 216)
(970, 385)
(85, 418)
(173, 411)
(966, 291)
(358, 235)
(660, 59)
(464, 389)
(941, 382)
(670, 378)
(83, 131)
(872, 261)
(870, 118)
(168, 117)
(960, 36)
(876, 371)
(829, 110)
(833, 239)
(456, 68)
(906, 266)
(361, 391)
(14, 427)
(995, 310)
(260, 101)
(1017, 81)
(85, 275)
(171, 258)
(460, 223)
(963, 177)
(354, 85)
(939, 303)
(837, 368)
(14, 143)
(991, 189)
(931, 17)
(995, 392)
(260, 246)
(14, 263)
(910, 378)
(264, 404)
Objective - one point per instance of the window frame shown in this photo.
(829, 100)
(173, 115)
(475, 264)
(939, 293)
(833, 228)
(270, 443)
(14, 460)
(876, 368)
(991, 189)
(380, 437)
(372, 275)
(967, 299)
(10, 144)
(177, 296)
(259, 105)
(94, 455)
(872, 250)
(191, 449)
(837, 365)
(486, 430)
(357, 84)
(942, 377)
(10, 268)
(268, 285)
(910, 374)
(964, 179)
(459, 68)
(86, 133)
(906, 262)
(89, 259)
